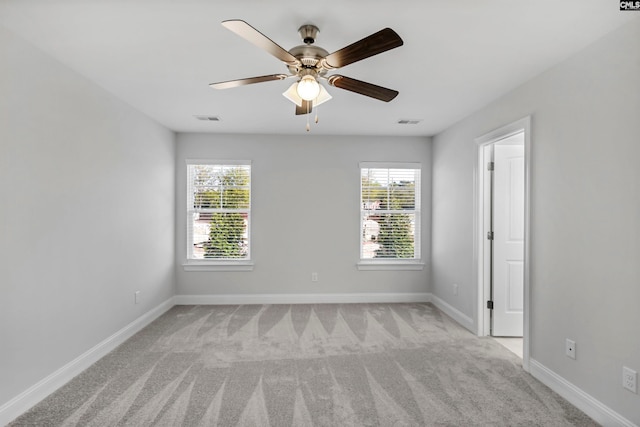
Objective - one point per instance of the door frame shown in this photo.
(481, 258)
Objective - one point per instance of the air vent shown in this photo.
(208, 118)
(409, 121)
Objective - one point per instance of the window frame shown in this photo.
(414, 263)
(194, 264)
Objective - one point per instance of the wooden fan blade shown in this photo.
(363, 88)
(251, 80)
(305, 108)
(255, 37)
(374, 44)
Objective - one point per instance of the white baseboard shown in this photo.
(464, 320)
(588, 404)
(43, 388)
(301, 298)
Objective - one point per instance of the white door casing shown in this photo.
(508, 237)
(481, 255)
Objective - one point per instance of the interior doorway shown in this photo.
(502, 232)
(505, 235)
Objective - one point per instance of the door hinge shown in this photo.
(490, 305)
(491, 166)
(489, 235)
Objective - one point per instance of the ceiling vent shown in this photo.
(409, 121)
(208, 118)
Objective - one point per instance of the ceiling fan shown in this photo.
(309, 63)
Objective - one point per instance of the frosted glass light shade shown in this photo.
(308, 88)
(292, 94)
(323, 96)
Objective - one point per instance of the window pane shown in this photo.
(220, 235)
(219, 186)
(388, 236)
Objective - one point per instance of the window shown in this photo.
(218, 212)
(389, 213)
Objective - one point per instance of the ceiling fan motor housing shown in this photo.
(309, 56)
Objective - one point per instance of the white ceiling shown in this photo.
(160, 55)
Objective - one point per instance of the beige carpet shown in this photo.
(303, 365)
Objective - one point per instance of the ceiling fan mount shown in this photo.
(308, 33)
(309, 63)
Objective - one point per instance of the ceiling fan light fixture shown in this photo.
(292, 95)
(308, 88)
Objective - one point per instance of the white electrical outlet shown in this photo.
(314, 277)
(136, 297)
(629, 379)
(455, 289)
(570, 349)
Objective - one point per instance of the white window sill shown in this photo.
(396, 265)
(218, 266)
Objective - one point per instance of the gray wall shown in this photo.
(86, 215)
(585, 220)
(305, 192)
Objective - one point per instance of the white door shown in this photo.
(508, 238)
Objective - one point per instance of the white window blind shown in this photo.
(218, 211)
(390, 212)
